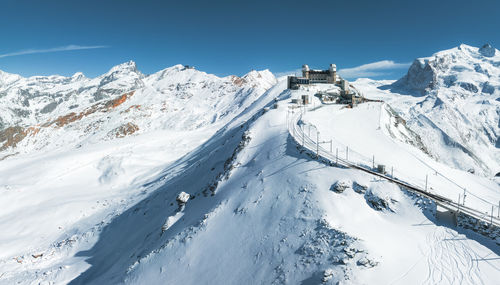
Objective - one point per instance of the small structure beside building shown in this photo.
(344, 85)
(305, 99)
(346, 95)
(294, 82)
(446, 216)
(381, 168)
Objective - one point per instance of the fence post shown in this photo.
(337, 160)
(392, 171)
(303, 135)
(309, 132)
(463, 201)
(331, 145)
(373, 162)
(458, 205)
(317, 144)
(426, 183)
(346, 153)
(499, 209)
(491, 220)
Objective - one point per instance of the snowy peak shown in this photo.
(184, 74)
(8, 78)
(124, 70)
(455, 102)
(78, 76)
(179, 74)
(467, 69)
(120, 76)
(264, 78)
(421, 76)
(464, 52)
(485, 51)
(126, 67)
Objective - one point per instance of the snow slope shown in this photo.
(276, 220)
(100, 209)
(70, 175)
(372, 138)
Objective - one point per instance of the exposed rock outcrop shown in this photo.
(487, 50)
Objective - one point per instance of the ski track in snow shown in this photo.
(447, 254)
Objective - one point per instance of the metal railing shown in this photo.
(296, 130)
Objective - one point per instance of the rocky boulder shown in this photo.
(340, 186)
(487, 50)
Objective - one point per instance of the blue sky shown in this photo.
(232, 37)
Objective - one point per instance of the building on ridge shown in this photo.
(320, 76)
(311, 76)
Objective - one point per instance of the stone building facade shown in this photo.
(310, 76)
(320, 76)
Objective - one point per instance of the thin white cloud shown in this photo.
(372, 69)
(56, 49)
(296, 72)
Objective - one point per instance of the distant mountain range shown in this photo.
(34, 110)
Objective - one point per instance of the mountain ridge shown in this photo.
(31, 106)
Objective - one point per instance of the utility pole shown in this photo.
(491, 220)
(463, 201)
(303, 136)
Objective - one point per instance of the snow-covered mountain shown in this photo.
(50, 111)
(70, 168)
(182, 177)
(452, 100)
